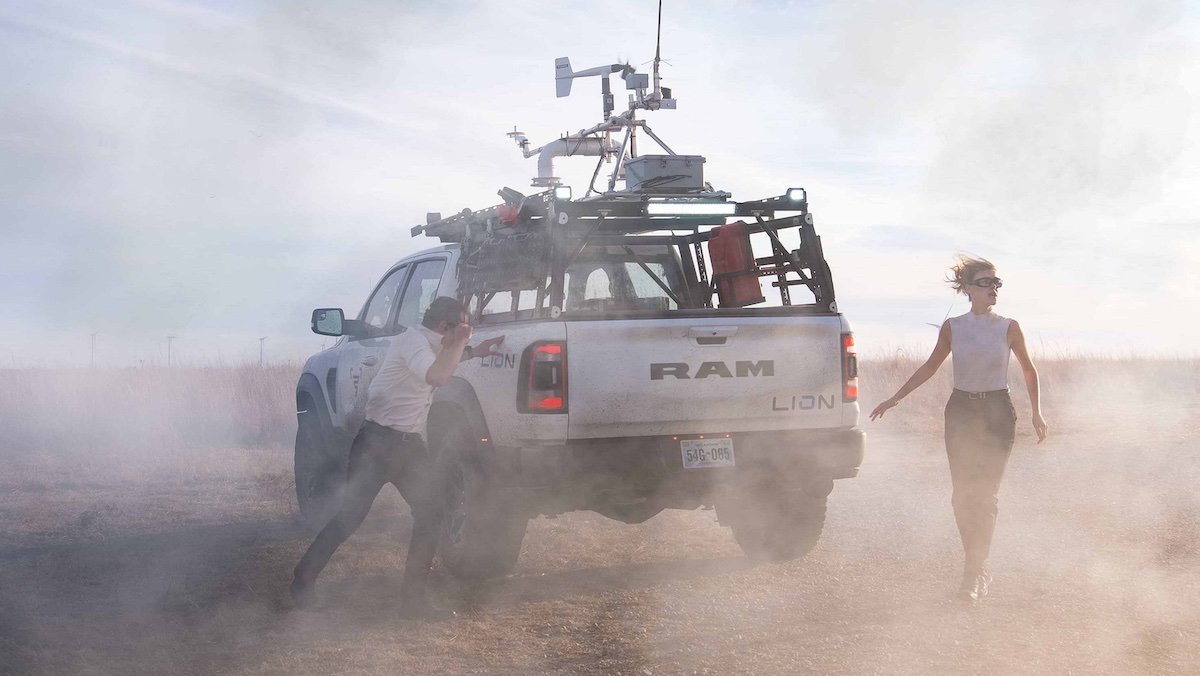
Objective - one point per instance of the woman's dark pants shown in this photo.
(381, 455)
(979, 439)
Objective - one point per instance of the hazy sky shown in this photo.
(214, 171)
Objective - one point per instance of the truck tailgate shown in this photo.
(703, 375)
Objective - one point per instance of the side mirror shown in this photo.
(328, 321)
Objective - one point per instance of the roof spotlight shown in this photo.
(797, 195)
(562, 193)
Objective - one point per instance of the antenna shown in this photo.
(658, 54)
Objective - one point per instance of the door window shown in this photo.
(420, 292)
(379, 308)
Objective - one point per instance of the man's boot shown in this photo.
(414, 602)
(303, 590)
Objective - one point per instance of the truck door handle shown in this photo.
(370, 360)
(711, 335)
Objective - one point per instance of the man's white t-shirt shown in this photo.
(399, 396)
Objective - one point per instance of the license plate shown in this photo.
(699, 453)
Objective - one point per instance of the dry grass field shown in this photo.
(147, 526)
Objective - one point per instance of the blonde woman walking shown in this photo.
(980, 418)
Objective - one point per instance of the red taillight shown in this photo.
(543, 384)
(548, 404)
(849, 369)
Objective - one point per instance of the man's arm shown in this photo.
(453, 344)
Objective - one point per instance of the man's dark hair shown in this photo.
(443, 309)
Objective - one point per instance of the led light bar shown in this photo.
(797, 194)
(691, 208)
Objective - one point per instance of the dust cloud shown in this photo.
(149, 526)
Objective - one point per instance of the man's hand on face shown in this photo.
(460, 333)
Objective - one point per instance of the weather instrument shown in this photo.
(645, 93)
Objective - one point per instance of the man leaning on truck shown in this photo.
(389, 449)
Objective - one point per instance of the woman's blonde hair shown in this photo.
(965, 269)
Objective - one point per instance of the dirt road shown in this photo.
(182, 567)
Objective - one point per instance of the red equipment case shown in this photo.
(734, 269)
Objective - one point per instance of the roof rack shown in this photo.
(568, 226)
(617, 212)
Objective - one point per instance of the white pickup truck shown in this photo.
(628, 381)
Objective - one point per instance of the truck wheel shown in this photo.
(319, 474)
(481, 532)
(777, 527)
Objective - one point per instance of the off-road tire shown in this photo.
(775, 526)
(481, 531)
(319, 472)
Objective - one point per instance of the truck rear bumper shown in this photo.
(639, 467)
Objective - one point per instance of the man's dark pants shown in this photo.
(381, 455)
(979, 439)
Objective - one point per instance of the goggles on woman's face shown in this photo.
(987, 281)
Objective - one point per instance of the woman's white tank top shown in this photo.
(979, 346)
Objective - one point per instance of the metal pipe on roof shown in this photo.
(566, 147)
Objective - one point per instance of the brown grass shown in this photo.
(171, 409)
(1074, 388)
(144, 409)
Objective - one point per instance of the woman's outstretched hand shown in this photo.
(882, 407)
(1039, 426)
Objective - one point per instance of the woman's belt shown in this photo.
(982, 395)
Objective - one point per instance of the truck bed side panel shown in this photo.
(495, 380)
